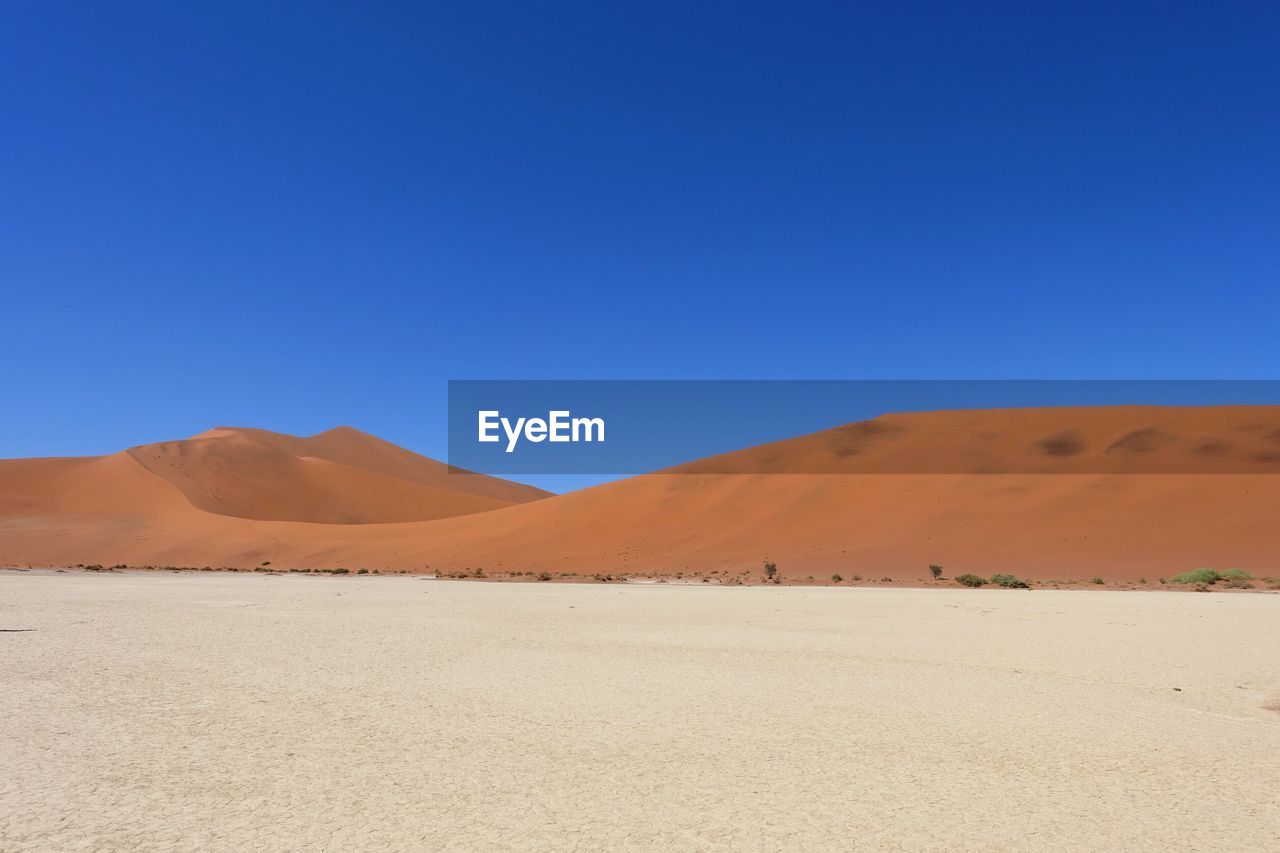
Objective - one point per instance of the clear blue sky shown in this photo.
(299, 215)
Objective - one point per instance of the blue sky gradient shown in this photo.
(294, 216)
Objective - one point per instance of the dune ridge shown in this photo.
(1147, 512)
(342, 476)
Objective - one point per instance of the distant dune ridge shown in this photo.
(1046, 493)
(342, 476)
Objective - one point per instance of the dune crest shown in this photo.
(1122, 492)
(341, 476)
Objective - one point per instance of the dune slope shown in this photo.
(1045, 493)
(338, 477)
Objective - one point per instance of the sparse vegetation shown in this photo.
(836, 579)
(970, 581)
(363, 572)
(770, 571)
(544, 576)
(340, 571)
(1237, 583)
(1009, 582)
(1098, 581)
(936, 571)
(1204, 576)
(1237, 574)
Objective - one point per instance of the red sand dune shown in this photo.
(1044, 493)
(342, 476)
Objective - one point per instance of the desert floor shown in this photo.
(183, 711)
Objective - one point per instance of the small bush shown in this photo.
(770, 570)
(936, 571)
(1009, 582)
(857, 577)
(1205, 576)
(886, 579)
(836, 579)
(363, 572)
(544, 576)
(971, 581)
(1098, 581)
(1237, 574)
(340, 571)
(1238, 583)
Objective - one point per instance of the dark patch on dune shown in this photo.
(1273, 435)
(853, 439)
(1268, 456)
(1210, 448)
(1140, 441)
(1069, 442)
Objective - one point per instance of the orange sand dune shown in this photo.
(1100, 440)
(342, 476)
(1093, 511)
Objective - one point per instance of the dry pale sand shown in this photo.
(166, 711)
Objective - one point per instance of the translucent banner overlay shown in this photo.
(621, 427)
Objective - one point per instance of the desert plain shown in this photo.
(185, 711)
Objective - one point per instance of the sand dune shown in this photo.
(342, 476)
(1091, 511)
(1094, 440)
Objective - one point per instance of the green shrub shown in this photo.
(970, 581)
(1009, 582)
(1238, 583)
(1237, 574)
(1205, 576)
